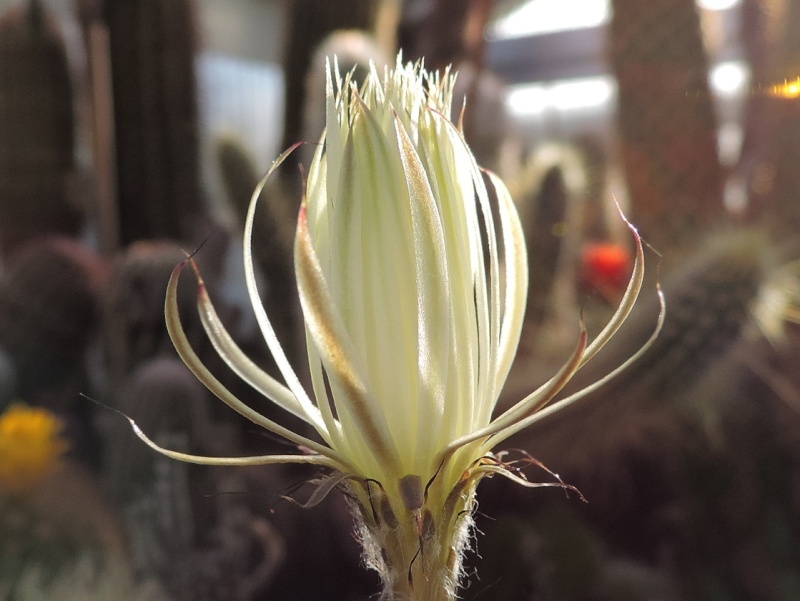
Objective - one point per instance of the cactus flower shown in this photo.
(30, 447)
(412, 275)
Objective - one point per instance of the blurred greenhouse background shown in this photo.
(132, 129)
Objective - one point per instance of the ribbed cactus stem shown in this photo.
(667, 126)
(36, 129)
(152, 44)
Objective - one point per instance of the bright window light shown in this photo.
(567, 95)
(581, 93)
(527, 99)
(548, 16)
(729, 78)
(717, 4)
(537, 17)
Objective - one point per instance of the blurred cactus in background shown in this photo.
(675, 482)
(667, 127)
(689, 460)
(710, 309)
(272, 240)
(184, 529)
(551, 194)
(48, 309)
(58, 537)
(134, 331)
(37, 166)
(153, 46)
(768, 166)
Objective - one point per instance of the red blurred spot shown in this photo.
(606, 266)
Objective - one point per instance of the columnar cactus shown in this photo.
(152, 45)
(667, 127)
(36, 129)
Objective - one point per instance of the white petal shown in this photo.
(351, 389)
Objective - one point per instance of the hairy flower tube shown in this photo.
(412, 275)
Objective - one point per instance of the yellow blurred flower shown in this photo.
(30, 445)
